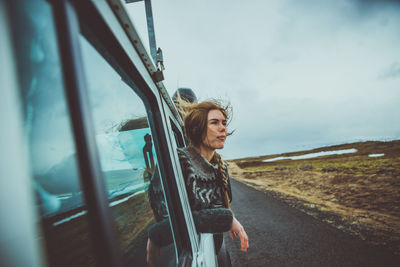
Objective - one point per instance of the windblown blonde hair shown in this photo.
(195, 119)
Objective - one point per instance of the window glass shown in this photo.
(56, 183)
(177, 135)
(128, 161)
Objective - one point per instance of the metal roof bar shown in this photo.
(123, 16)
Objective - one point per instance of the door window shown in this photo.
(128, 160)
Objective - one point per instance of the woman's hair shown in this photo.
(217, 158)
(195, 119)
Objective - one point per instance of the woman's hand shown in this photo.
(237, 228)
(150, 250)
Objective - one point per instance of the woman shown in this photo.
(206, 175)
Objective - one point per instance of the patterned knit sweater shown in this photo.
(205, 191)
(203, 181)
(203, 184)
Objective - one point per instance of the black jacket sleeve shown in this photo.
(207, 221)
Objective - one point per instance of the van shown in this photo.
(86, 125)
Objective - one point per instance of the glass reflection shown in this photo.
(128, 160)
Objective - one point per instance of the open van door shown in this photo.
(76, 73)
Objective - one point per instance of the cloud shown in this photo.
(298, 73)
(393, 71)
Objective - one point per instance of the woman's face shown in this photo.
(216, 130)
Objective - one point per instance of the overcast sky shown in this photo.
(299, 74)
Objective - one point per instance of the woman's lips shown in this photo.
(221, 138)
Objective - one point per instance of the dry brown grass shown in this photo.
(70, 244)
(360, 195)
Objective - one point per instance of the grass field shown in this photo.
(354, 192)
(69, 244)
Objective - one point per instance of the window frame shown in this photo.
(178, 132)
(104, 243)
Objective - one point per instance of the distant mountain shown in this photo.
(389, 148)
(62, 178)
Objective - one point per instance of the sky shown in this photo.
(299, 74)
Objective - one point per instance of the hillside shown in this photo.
(357, 191)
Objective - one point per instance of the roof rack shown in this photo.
(153, 65)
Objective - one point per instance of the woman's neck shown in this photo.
(207, 152)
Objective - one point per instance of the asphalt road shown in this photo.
(280, 235)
